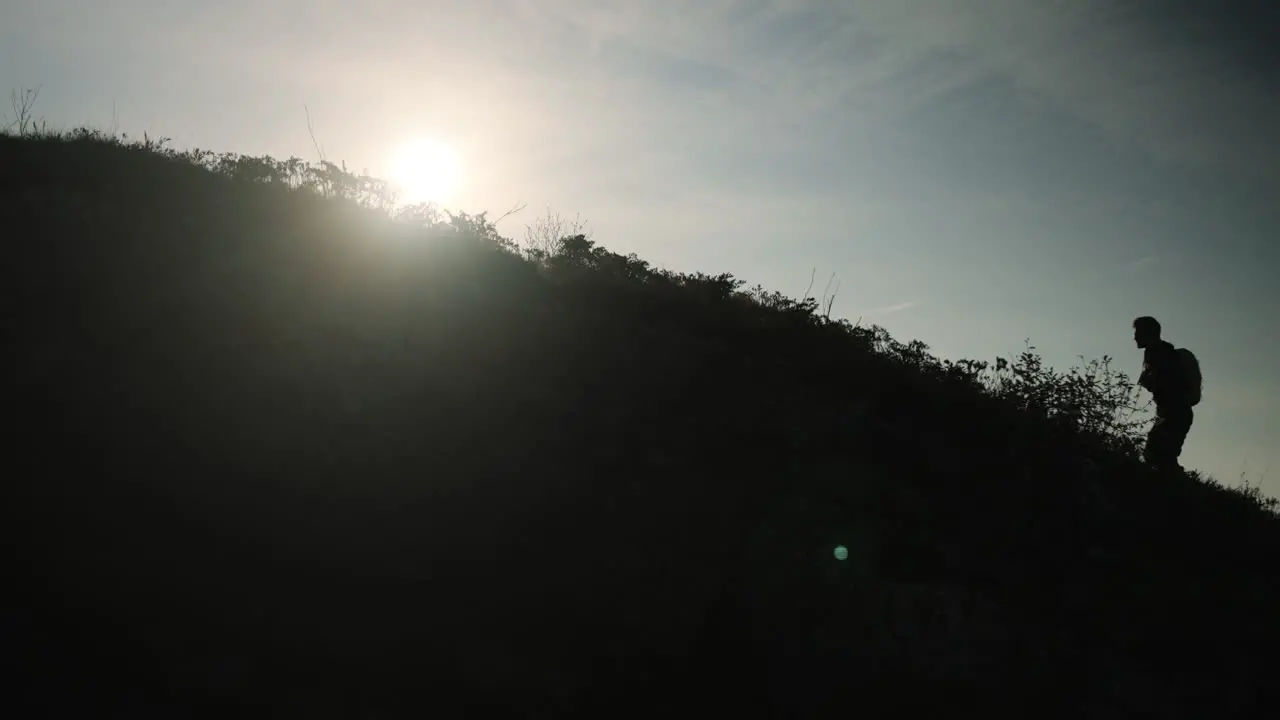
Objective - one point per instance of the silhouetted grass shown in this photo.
(281, 446)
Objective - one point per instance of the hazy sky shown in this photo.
(975, 172)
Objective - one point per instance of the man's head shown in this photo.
(1146, 331)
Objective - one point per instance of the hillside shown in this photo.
(283, 449)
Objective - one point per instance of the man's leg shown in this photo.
(1177, 427)
(1159, 451)
(1165, 440)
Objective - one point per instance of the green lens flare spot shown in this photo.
(842, 552)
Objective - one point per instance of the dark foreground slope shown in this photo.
(278, 455)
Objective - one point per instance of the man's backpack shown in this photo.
(1191, 371)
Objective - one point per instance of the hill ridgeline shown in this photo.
(286, 448)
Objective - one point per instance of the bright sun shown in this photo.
(425, 170)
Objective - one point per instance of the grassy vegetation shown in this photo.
(284, 446)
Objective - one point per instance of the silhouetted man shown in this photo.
(1163, 375)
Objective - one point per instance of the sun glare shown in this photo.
(425, 170)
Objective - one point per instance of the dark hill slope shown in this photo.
(275, 452)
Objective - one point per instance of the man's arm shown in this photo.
(1161, 371)
(1144, 379)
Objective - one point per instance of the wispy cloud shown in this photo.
(1186, 82)
(899, 307)
(1145, 262)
